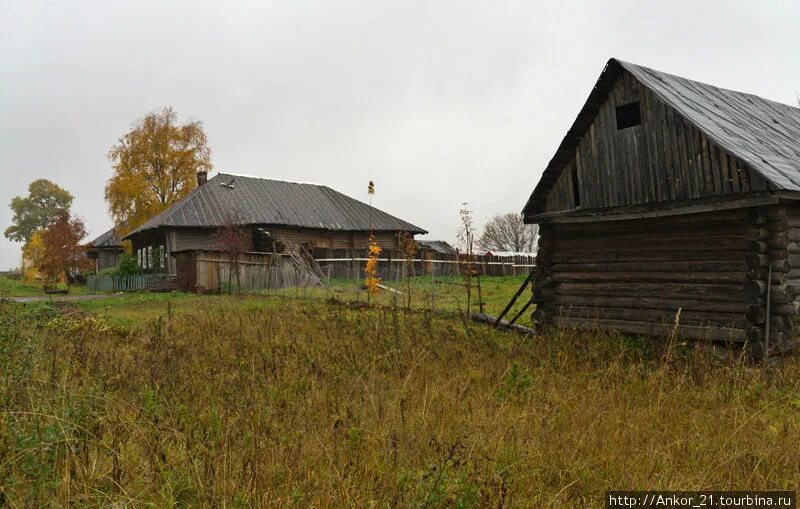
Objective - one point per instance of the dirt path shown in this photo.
(60, 298)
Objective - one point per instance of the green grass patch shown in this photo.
(136, 308)
(10, 287)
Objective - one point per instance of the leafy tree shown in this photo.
(507, 232)
(62, 251)
(35, 211)
(32, 256)
(155, 165)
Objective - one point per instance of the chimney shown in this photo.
(202, 178)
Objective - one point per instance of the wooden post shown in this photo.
(766, 327)
(516, 317)
(510, 304)
(480, 295)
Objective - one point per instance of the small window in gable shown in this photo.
(628, 115)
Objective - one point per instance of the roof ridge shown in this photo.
(762, 133)
(625, 64)
(254, 177)
(261, 200)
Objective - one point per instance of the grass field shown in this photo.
(184, 401)
(449, 299)
(17, 288)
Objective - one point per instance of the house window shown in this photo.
(628, 115)
(139, 257)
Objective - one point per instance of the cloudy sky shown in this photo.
(439, 103)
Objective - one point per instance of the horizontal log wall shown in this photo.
(664, 159)
(776, 245)
(633, 276)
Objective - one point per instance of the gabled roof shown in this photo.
(437, 246)
(762, 133)
(254, 200)
(106, 240)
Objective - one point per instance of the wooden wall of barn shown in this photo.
(634, 275)
(334, 240)
(663, 159)
(773, 278)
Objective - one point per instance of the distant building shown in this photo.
(437, 246)
(509, 254)
(105, 250)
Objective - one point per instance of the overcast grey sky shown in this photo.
(439, 103)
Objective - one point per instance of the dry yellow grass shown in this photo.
(272, 402)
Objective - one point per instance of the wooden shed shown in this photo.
(671, 195)
(105, 250)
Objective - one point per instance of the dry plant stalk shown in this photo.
(466, 239)
(222, 404)
(372, 280)
(410, 249)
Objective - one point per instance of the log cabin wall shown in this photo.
(632, 276)
(773, 274)
(663, 159)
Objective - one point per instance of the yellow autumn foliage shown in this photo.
(32, 256)
(372, 280)
(155, 165)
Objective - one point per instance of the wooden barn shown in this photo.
(670, 195)
(278, 216)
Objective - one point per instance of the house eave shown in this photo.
(661, 209)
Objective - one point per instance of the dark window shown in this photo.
(628, 115)
(263, 241)
(576, 194)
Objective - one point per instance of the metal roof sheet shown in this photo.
(439, 246)
(275, 202)
(108, 239)
(764, 134)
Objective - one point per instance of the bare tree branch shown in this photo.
(507, 232)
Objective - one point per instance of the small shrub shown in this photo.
(127, 265)
(516, 381)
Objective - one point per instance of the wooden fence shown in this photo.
(256, 272)
(350, 263)
(260, 271)
(118, 283)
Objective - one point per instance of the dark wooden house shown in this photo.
(277, 215)
(672, 201)
(105, 250)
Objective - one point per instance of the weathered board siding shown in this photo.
(192, 239)
(106, 259)
(633, 276)
(333, 240)
(663, 159)
(202, 239)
